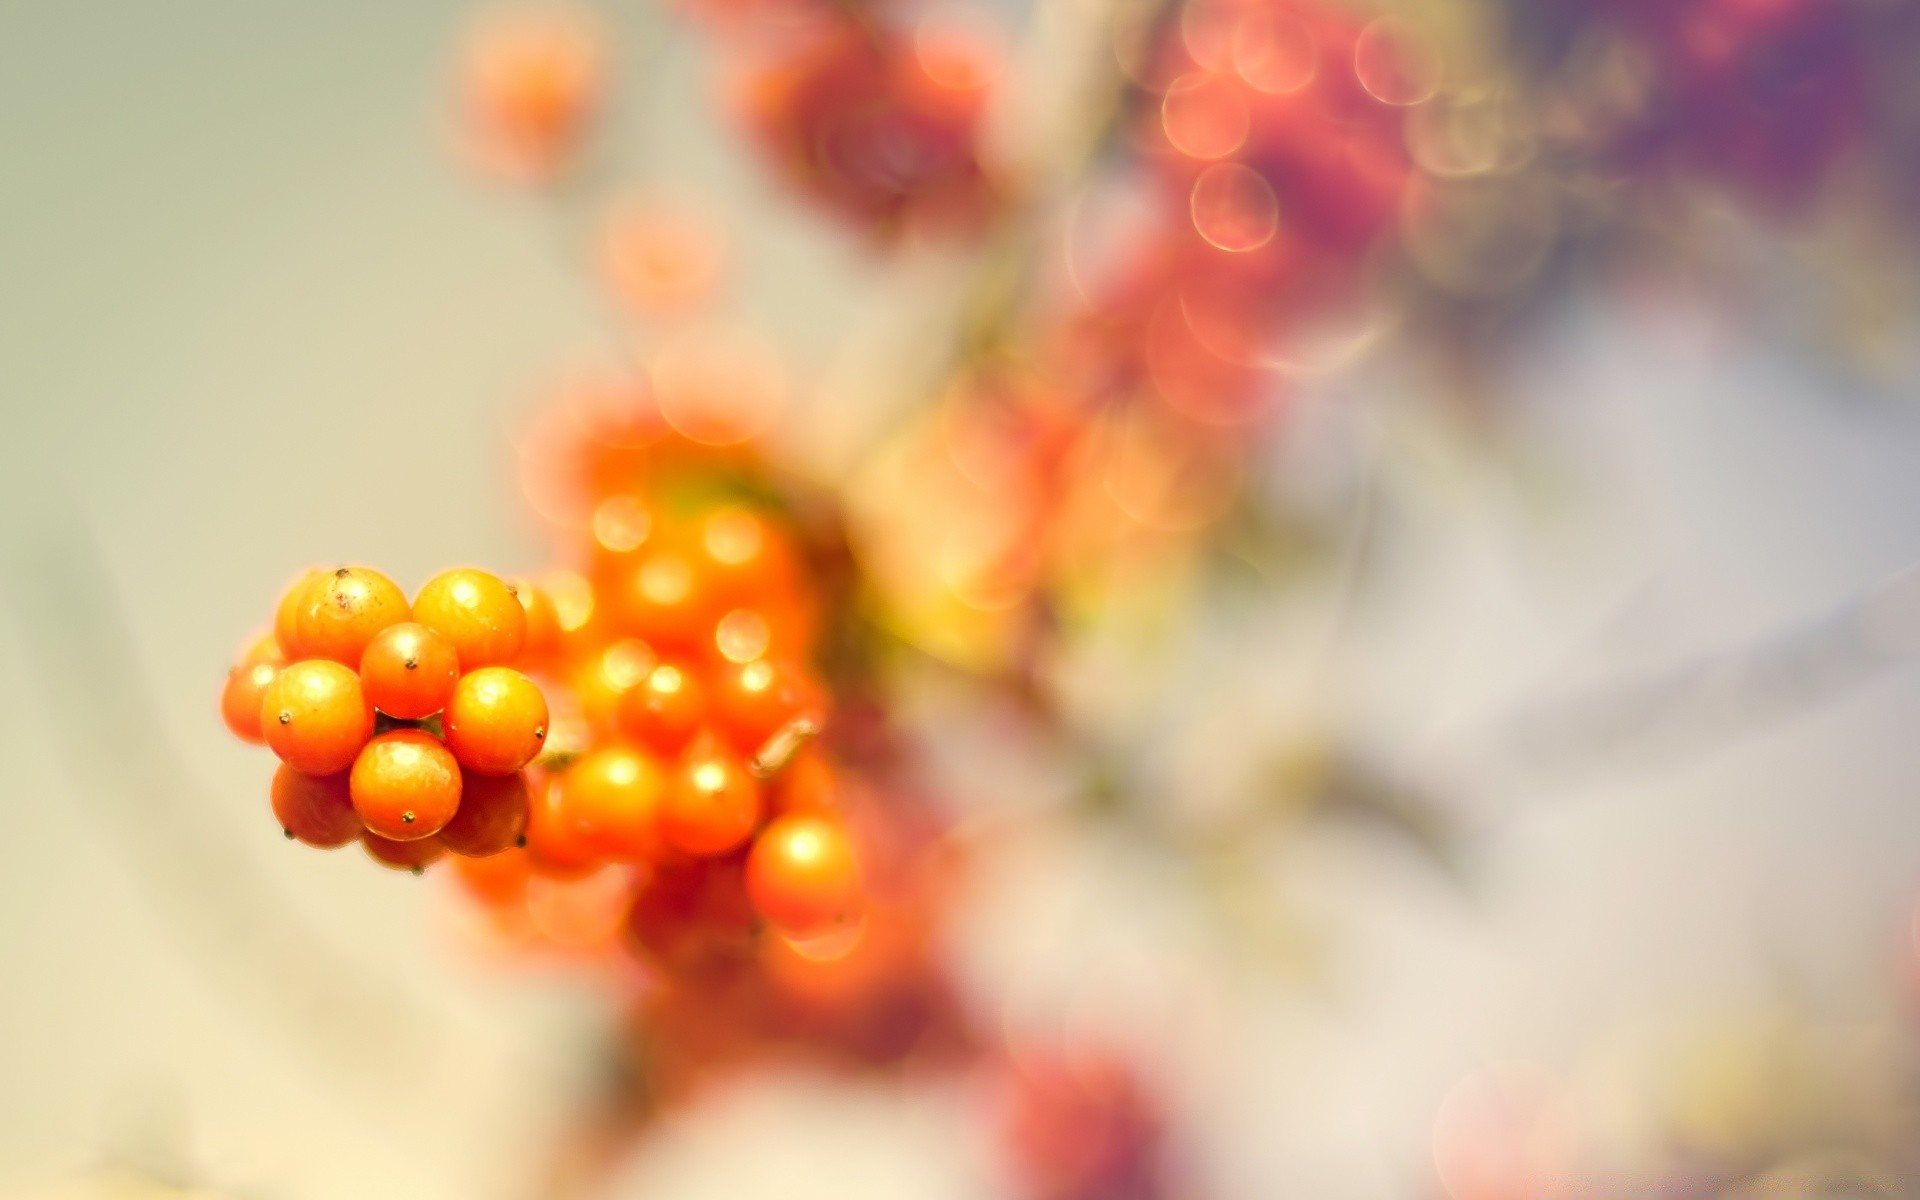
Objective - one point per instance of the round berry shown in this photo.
(802, 875)
(555, 844)
(664, 710)
(341, 612)
(240, 699)
(263, 649)
(405, 785)
(613, 797)
(542, 639)
(753, 701)
(315, 716)
(315, 809)
(496, 721)
(666, 599)
(475, 611)
(805, 785)
(711, 804)
(492, 816)
(745, 555)
(416, 855)
(408, 671)
(286, 616)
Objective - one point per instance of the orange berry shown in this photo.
(492, 816)
(496, 721)
(286, 617)
(341, 612)
(263, 649)
(315, 716)
(613, 798)
(316, 809)
(666, 600)
(496, 880)
(600, 682)
(753, 701)
(408, 671)
(475, 611)
(405, 785)
(711, 804)
(664, 711)
(748, 557)
(555, 843)
(807, 785)
(542, 640)
(803, 876)
(416, 855)
(240, 699)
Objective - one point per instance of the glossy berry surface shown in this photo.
(496, 721)
(712, 804)
(664, 710)
(316, 717)
(803, 876)
(613, 798)
(409, 671)
(240, 699)
(476, 612)
(405, 785)
(340, 612)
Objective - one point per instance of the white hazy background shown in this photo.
(252, 314)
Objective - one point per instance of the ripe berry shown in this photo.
(340, 613)
(286, 617)
(555, 843)
(806, 785)
(477, 613)
(315, 716)
(497, 880)
(316, 809)
(613, 798)
(803, 876)
(263, 649)
(492, 816)
(408, 671)
(746, 556)
(405, 785)
(542, 640)
(753, 701)
(711, 805)
(496, 721)
(240, 699)
(415, 856)
(664, 711)
(666, 600)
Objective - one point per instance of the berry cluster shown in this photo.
(399, 726)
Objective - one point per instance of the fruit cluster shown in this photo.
(397, 725)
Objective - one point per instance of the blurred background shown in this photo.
(1512, 796)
